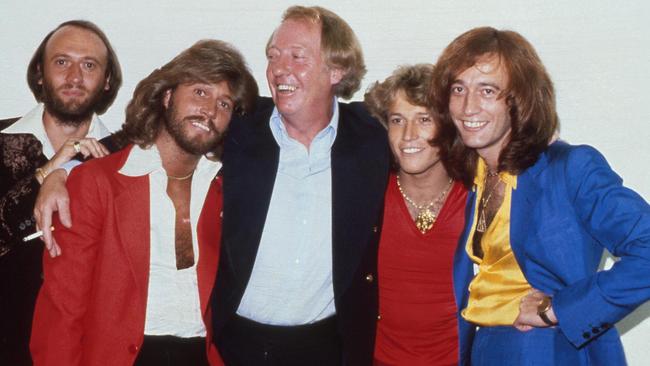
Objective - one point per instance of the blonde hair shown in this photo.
(340, 47)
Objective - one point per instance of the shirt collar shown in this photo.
(147, 161)
(279, 130)
(32, 123)
(481, 170)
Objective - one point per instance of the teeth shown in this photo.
(411, 150)
(474, 124)
(202, 126)
(286, 87)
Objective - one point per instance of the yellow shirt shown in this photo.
(499, 285)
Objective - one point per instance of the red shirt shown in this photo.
(418, 324)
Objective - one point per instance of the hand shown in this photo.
(86, 147)
(528, 317)
(52, 197)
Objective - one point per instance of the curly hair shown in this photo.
(113, 71)
(207, 61)
(340, 47)
(529, 95)
(415, 82)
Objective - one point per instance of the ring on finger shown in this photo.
(77, 146)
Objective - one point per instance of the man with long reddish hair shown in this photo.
(539, 215)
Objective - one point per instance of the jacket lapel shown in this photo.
(358, 184)
(132, 220)
(524, 200)
(209, 236)
(248, 179)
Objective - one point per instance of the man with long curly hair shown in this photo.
(139, 263)
(540, 213)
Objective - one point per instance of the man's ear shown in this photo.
(107, 83)
(40, 74)
(167, 98)
(336, 75)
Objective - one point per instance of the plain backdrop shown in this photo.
(597, 52)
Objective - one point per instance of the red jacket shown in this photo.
(91, 308)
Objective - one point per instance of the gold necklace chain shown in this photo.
(426, 216)
(481, 225)
(180, 178)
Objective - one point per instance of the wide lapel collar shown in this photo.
(250, 165)
(359, 178)
(463, 267)
(524, 200)
(132, 219)
(209, 237)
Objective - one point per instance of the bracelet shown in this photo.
(41, 173)
(542, 310)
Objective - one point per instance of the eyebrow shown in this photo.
(85, 58)
(482, 84)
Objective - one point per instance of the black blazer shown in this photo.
(360, 161)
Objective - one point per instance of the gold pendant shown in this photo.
(481, 225)
(424, 221)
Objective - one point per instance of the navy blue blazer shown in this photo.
(567, 208)
(360, 162)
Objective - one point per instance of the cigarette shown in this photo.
(35, 235)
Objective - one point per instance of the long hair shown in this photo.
(340, 47)
(529, 95)
(113, 71)
(207, 61)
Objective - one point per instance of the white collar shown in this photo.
(147, 161)
(32, 123)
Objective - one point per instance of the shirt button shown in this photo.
(370, 278)
(133, 348)
(379, 317)
(375, 229)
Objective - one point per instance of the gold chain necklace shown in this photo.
(481, 225)
(180, 178)
(427, 213)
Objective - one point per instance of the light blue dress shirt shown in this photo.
(291, 281)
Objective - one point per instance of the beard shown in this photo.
(176, 128)
(73, 112)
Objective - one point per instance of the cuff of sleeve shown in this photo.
(583, 313)
(69, 165)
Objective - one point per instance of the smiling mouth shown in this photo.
(200, 125)
(411, 150)
(286, 88)
(474, 124)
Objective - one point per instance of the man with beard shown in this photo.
(74, 75)
(139, 263)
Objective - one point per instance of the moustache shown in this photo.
(69, 86)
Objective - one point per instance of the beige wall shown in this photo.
(598, 53)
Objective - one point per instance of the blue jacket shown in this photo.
(567, 208)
